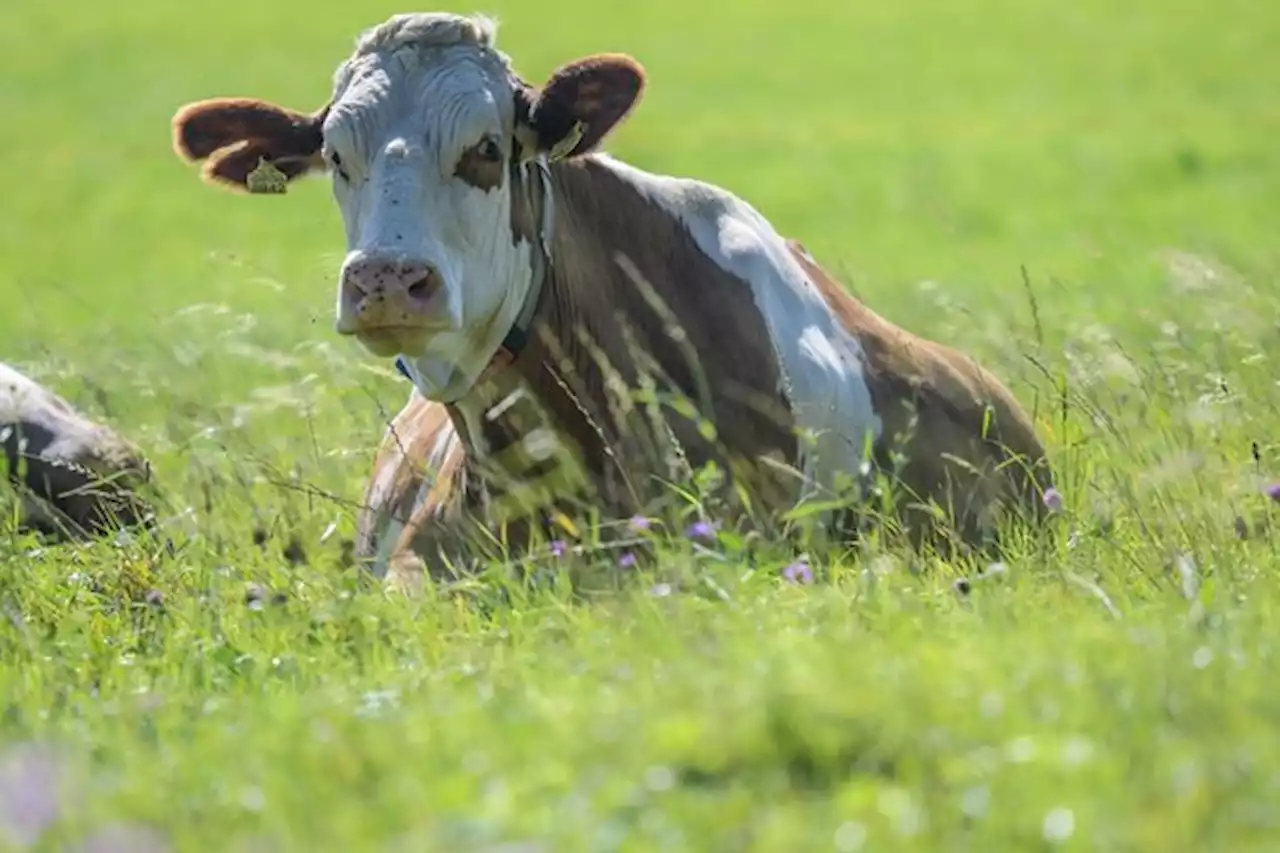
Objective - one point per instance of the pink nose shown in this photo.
(381, 291)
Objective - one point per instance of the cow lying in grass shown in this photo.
(76, 478)
(531, 284)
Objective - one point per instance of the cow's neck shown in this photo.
(512, 440)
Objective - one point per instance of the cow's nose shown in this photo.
(393, 279)
(379, 292)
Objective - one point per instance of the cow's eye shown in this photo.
(481, 164)
(489, 150)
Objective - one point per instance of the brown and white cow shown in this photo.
(76, 478)
(531, 283)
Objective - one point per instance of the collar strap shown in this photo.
(518, 335)
(403, 368)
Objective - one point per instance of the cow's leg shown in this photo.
(411, 485)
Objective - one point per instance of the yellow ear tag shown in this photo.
(570, 141)
(266, 179)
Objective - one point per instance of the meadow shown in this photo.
(1086, 196)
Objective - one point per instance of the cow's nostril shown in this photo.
(422, 288)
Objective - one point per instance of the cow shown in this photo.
(77, 479)
(580, 330)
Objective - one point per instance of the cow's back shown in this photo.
(971, 446)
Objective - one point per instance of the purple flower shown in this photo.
(32, 777)
(1053, 499)
(638, 523)
(701, 530)
(558, 548)
(798, 572)
(1273, 491)
(627, 560)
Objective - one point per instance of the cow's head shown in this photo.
(429, 138)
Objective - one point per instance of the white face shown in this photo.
(419, 144)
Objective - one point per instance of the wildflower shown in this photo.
(627, 560)
(254, 596)
(701, 530)
(1273, 491)
(638, 523)
(558, 548)
(1053, 499)
(34, 782)
(798, 572)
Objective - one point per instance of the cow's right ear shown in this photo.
(248, 144)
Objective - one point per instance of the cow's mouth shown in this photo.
(390, 341)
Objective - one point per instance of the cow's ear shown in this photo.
(580, 104)
(249, 144)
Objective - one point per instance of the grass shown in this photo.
(1084, 195)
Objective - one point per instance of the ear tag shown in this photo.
(570, 141)
(266, 179)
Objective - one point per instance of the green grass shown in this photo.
(1123, 154)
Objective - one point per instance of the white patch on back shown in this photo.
(821, 362)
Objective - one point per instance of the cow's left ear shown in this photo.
(580, 104)
(249, 144)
